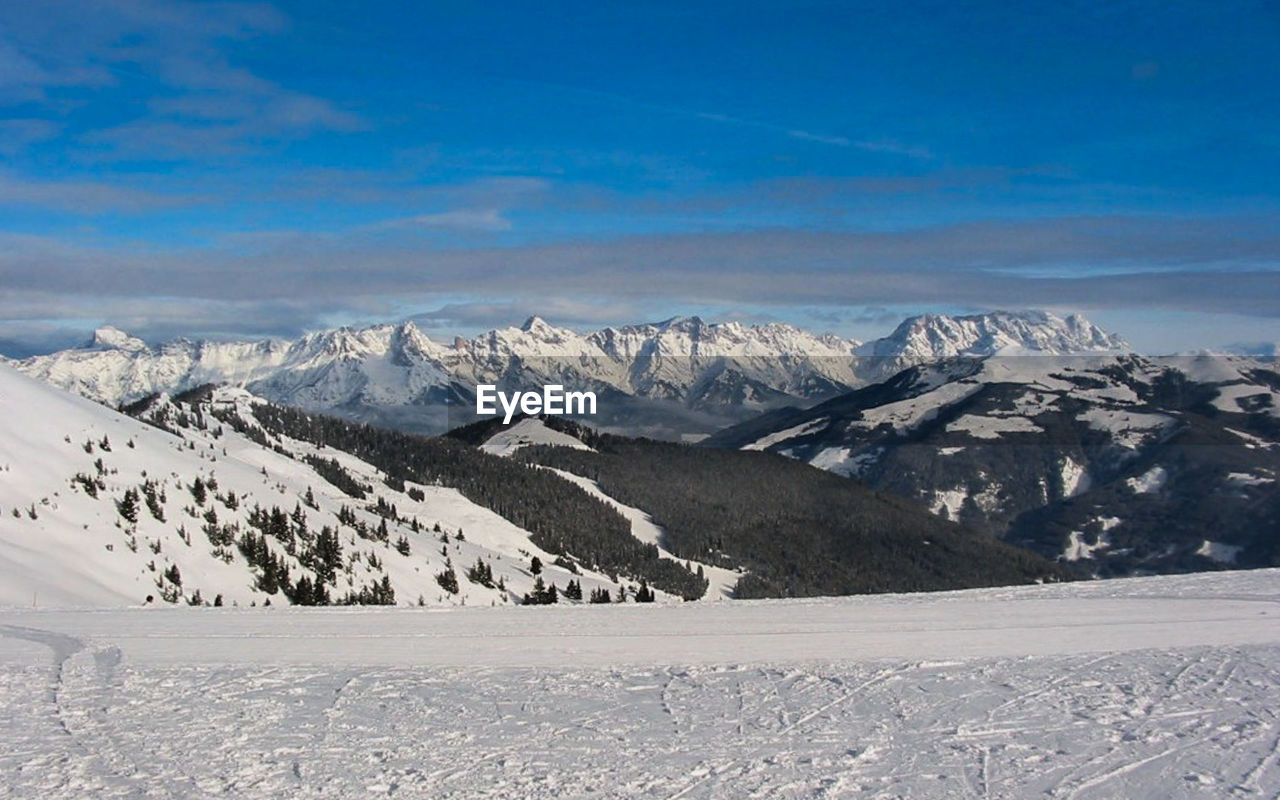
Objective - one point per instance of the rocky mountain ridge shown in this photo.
(679, 376)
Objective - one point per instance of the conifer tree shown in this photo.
(448, 579)
(536, 595)
(128, 505)
(173, 575)
(481, 573)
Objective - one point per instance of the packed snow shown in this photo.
(1143, 688)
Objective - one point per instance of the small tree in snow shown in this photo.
(128, 505)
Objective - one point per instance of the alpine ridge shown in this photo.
(679, 377)
(1117, 463)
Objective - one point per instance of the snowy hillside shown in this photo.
(525, 432)
(680, 376)
(100, 509)
(1144, 689)
(1119, 463)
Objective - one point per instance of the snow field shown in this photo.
(1142, 688)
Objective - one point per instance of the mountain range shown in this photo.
(215, 496)
(682, 377)
(1121, 464)
(957, 451)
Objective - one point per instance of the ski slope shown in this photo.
(1143, 688)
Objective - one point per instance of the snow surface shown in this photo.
(1075, 478)
(1128, 429)
(1077, 548)
(1246, 479)
(947, 503)
(1220, 552)
(904, 415)
(831, 458)
(804, 429)
(992, 427)
(1149, 482)
(841, 460)
(1143, 688)
(526, 432)
(1229, 397)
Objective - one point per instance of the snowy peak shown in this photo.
(692, 326)
(408, 344)
(932, 336)
(396, 374)
(540, 328)
(109, 337)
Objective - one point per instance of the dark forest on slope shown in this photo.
(799, 531)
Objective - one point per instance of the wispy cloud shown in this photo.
(573, 312)
(201, 104)
(18, 134)
(83, 197)
(487, 219)
(1154, 264)
(886, 146)
(838, 141)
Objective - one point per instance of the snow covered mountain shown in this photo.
(99, 508)
(217, 496)
(930, 337)
(680, 376)
(1120, 463)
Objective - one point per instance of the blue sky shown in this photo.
(237, 169)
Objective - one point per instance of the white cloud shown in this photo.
(488, 219)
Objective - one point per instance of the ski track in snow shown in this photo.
(867, 697)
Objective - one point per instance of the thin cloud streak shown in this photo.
(1219, 266)
(84, 197)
